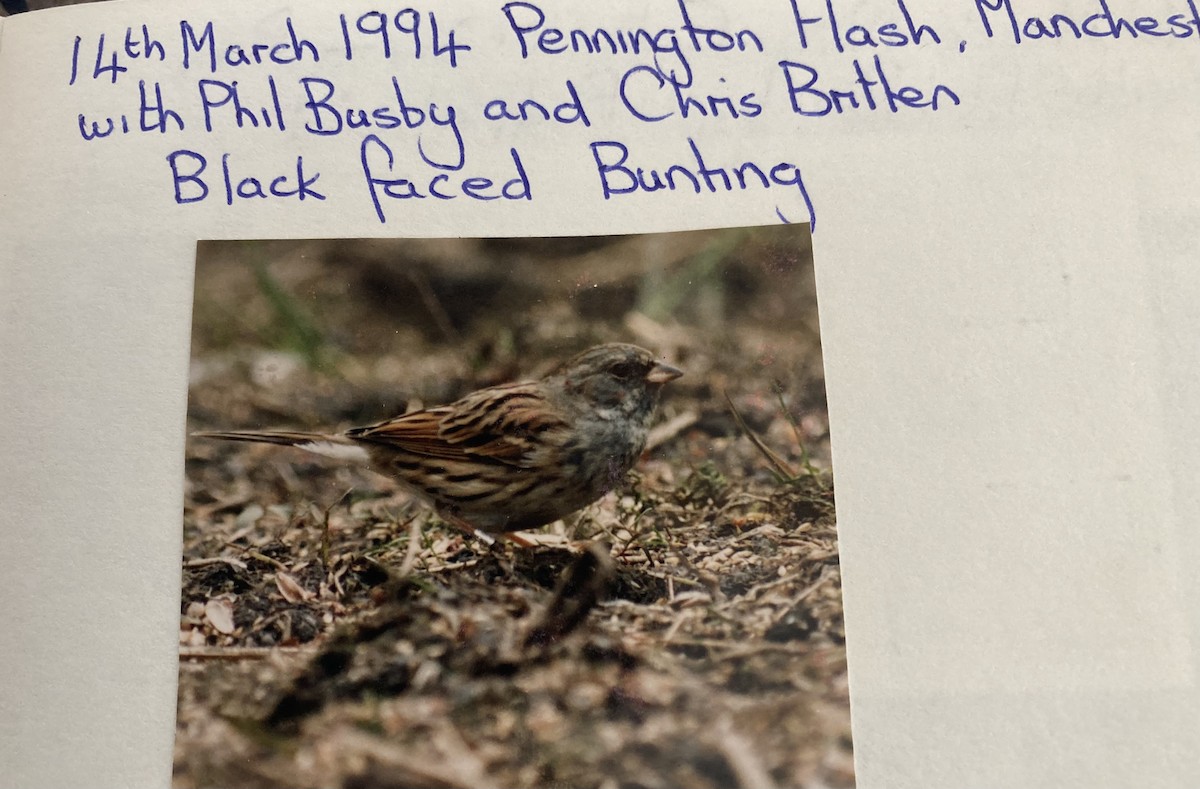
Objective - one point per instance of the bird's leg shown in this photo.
(487, 539)
(462, 525)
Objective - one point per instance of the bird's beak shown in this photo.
(662, 372)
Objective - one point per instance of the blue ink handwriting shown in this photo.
(187, 167)
(440, 186)
(386, 29)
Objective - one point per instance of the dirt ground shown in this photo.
(685, 631)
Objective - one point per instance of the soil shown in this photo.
(684, 631)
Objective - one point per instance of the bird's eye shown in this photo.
(624, 370)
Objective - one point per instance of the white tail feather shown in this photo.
(336, 450)
(336, 447)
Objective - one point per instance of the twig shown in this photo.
(633, 533)
(326, 540)
(735, 650)
(432, 303)
(680, 618)
(240, 653)
(707, 580)
(414, 544)
(204, 562)
(661, 434)
(262, 557)
(400, 766)
(825, 576)
(779, 464)
(805, 460)
(253, 554)
(467, 765)
(755, 532)
(745, 762)
(751, 594)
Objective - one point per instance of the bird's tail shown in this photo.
(332, 446)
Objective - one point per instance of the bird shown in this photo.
(511, 457)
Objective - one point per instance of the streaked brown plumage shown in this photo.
(515, 456)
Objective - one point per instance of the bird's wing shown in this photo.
(503, 423)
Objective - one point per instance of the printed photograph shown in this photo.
(524, 512)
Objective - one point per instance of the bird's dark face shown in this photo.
(618, 378)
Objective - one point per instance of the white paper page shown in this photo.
(1006, 288)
